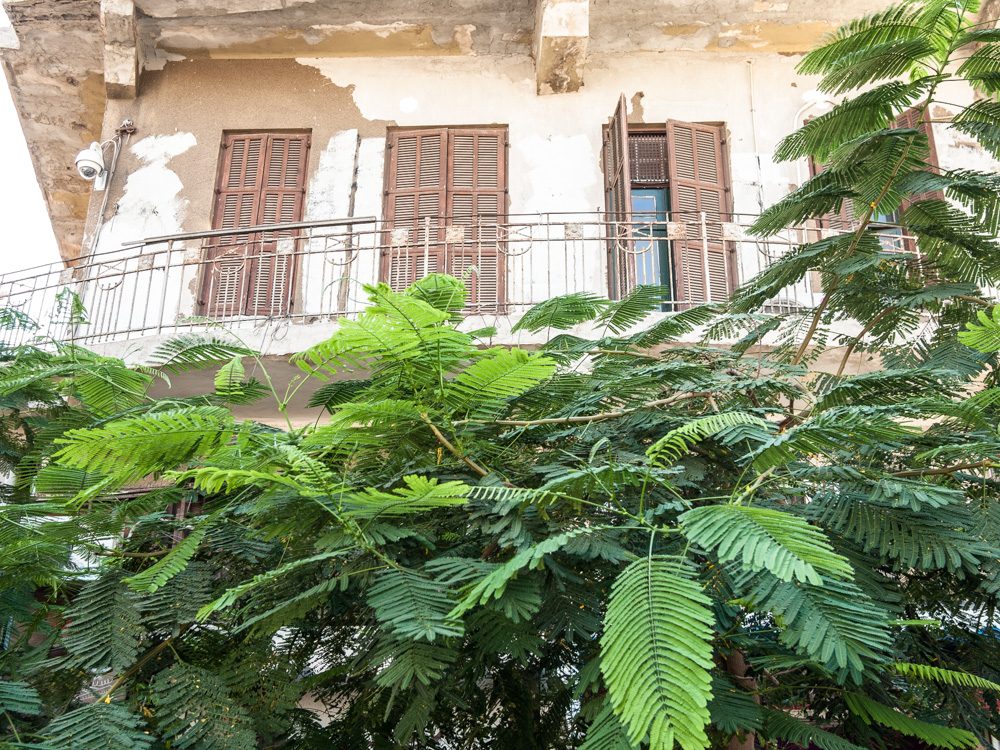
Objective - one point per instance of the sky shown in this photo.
(27, 232)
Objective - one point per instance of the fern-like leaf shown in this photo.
(482, 389)
(949, 677)
(656, 654)
(781, 726)
(99, 726)
(413, 606)
(984, 337)
(134, 447)
(607, 733)
(196, 351)
(561, 312)
(872, 712)
(835, 624)
(194, 709)
(104, 626)
(231, 596)
(621, 315)
(173, 563)
(764, 538)
(679, 440)
(493, 585)
(419, 495)
(19, 698)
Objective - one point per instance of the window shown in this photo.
(657, 176)
(887, 223)
(261, 180)
(445, 199)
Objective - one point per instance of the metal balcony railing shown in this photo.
(309, 272)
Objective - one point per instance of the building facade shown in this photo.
(267, 158)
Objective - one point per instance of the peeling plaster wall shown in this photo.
(554, 163)
(553, 159)
(151, 202)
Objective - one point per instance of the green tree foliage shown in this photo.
(628, 538)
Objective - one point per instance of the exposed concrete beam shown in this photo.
(57, 83)
(562, 31)
(121, 54)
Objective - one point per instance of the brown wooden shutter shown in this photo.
(415, 203)
(272, 271)
(477, 201)
(441, 177)
(835, 221)
(227, 272)
(618, 203)
(703, 263)
(911, 119)
(261, 181)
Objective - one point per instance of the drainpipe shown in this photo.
(122, 133)
(120, 138)
(753, 132)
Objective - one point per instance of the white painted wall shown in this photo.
(553, 161)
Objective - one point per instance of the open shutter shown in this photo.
(415, 204)
(261, 181)
(699, 196)
(834, 221)
(477, 201)
(911, 119)
(282, 198)
(227, 271)
(618, 202)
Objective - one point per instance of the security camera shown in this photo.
(90, 164)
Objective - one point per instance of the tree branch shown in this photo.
(588, 418)
(447, 444)
(857, 339)
(985, 464)
(106, 698)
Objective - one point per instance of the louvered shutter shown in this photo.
(618, 203)
(834, 221)
(261, 181)
(227, 272)
(415, 203)
(272, 271)
(477, 201)
(911, 119)
(698, 180)
(443, 177)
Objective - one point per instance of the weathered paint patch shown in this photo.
(783, 38)
(151, 202)
(352, 40)
(329, 193)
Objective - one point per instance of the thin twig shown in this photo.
(588, 418)
(857, 339)
(138, 555)
(985, 464)
(106, 698)
(452, 449)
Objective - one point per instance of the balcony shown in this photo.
(305, 275)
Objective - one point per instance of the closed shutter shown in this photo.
(261, 181)
(477, 200)
(699, 196)
(272, 271)
(618, 202)
(447, 177)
